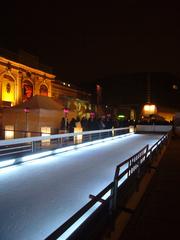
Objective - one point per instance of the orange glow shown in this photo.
(149, 109)
(78, 137)
(9, 132)
(45, 131)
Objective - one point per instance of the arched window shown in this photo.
(27, 90)
(43, 90)
(8, 90)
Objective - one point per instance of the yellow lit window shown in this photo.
(45, 131)
(9, 132)
(8, 91)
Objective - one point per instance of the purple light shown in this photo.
(26, 110)
(92, 114)
(66, 110)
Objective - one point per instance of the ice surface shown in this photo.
(38, 196)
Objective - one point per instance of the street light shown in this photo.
(26, 110)
(66, 111)
(149, 109)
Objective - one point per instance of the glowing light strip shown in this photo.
(35, 156)
(82, 219)
(106, 195)
(64, 149)
(148, 153)
(7, 163)
(154, 147)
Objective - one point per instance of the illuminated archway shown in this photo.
(27, 90)
(8, 90)
(43, 91)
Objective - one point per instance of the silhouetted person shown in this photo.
(64, 124)
(84, 123)
(72, 125)
(93, 124)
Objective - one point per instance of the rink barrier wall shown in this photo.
(153, 128)
(18, 150)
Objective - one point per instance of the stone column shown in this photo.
(0, 91)
(19, 87)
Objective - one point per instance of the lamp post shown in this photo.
(149, 109)
(66, 111)
(99, 98)
(26, 110)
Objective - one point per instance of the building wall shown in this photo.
(33, 123)
(19, 82)
(77, 101)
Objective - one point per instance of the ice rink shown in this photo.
(38, 196)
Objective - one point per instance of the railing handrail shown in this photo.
(160, 140)
(65, 226)
(59, 231)
(55, 136)
(136, 154)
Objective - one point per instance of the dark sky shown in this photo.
(87, 43)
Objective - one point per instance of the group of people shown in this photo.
(91, 123)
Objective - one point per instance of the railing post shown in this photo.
(138, 175)
(129, 168)
(113, 201)
(33, 146)
(150, 158)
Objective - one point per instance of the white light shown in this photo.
(35, 156)
(175, 86)
(84, 144)
(73, 227)
(7, 163)
(64, 149)
(131, 129)
(154, 147)
(122, 179)
(44, 160)
(106, 195)
(73, 147)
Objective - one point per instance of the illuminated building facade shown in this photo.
(77, 101)
(19, 82)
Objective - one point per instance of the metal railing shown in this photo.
(113, 197)
(17, 148)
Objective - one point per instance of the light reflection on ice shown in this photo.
(70, 230)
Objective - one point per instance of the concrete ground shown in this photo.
(158, 214)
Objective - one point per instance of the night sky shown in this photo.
(117, 45)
